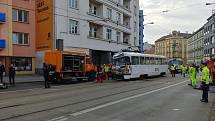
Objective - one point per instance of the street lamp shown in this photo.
(148, 23)
(209, 3)
(142, 36)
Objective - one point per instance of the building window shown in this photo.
(93, 9)
(21, 38)
(73, 4)
(73, 27)
(135, 26)
(20, 15)
(22, 64)
(93, 32)
(109, 34)
(118, 37)
(118, 17)
(212, 39)
(109, 13)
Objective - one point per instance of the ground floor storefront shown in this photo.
(99, 57)
(23, 65)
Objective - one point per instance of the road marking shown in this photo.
(64, 119)
(122, 100)
(176, 109)
(34, 89)
(56, 119)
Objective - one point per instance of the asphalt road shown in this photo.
(156, 99)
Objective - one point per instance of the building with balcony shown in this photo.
(209, 37)
(173, 45)
(195, 47)
(17, 35)
(141, 28)
(98, 27)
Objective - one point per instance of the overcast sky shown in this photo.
(182, 15)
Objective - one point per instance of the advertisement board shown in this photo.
(44, 25)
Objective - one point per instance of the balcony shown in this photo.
(96, 31)
(126, 21)
(95, 9)
(126, 4)
(2, 17)
(2, 44)
(126, 38)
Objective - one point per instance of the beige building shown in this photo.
(173, 45)
(195, 47)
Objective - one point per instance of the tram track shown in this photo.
(78, 102)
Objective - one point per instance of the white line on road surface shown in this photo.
(64, 119)
(56, 119)
(122, 100)
(34, 89)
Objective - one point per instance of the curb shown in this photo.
(212, 112)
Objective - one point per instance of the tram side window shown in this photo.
(152, 60)
(147, 60)
(158, 61)
(164, 61)
(135, 60)
(142, 60)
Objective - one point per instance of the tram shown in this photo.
(132, 65)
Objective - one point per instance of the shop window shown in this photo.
(22, 64)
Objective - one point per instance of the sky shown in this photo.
(181, 15)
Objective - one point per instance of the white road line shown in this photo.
(122, 100)
(64, 119)
(56, 119)
(34, 89)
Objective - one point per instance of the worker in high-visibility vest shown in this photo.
(183, 70)
(173, 70)
(192, 74)
(205, 78)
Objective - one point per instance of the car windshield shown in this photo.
(122, 61)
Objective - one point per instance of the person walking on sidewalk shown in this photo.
(205, 82)
(2, 70)
(12, 73)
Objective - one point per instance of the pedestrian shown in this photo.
(183, 70)
(173, 70)
(192, 73)
(2, 70)
(106, 71)
(205, 82)
(12, 73)
(46, 70)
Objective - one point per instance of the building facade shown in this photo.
(149, 48)
(99, 27)
(173, 45)
(209, 37)
(17, 35)
(195, 47)
(141, 28)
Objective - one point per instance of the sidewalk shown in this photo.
(25, 78)
(212, 112)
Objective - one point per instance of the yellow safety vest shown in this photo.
(205, 75)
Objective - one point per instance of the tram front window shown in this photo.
(122, 61)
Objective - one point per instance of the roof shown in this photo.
(213, 15)
(184, 35)
(138, 54)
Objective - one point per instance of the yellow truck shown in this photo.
(70, 65)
